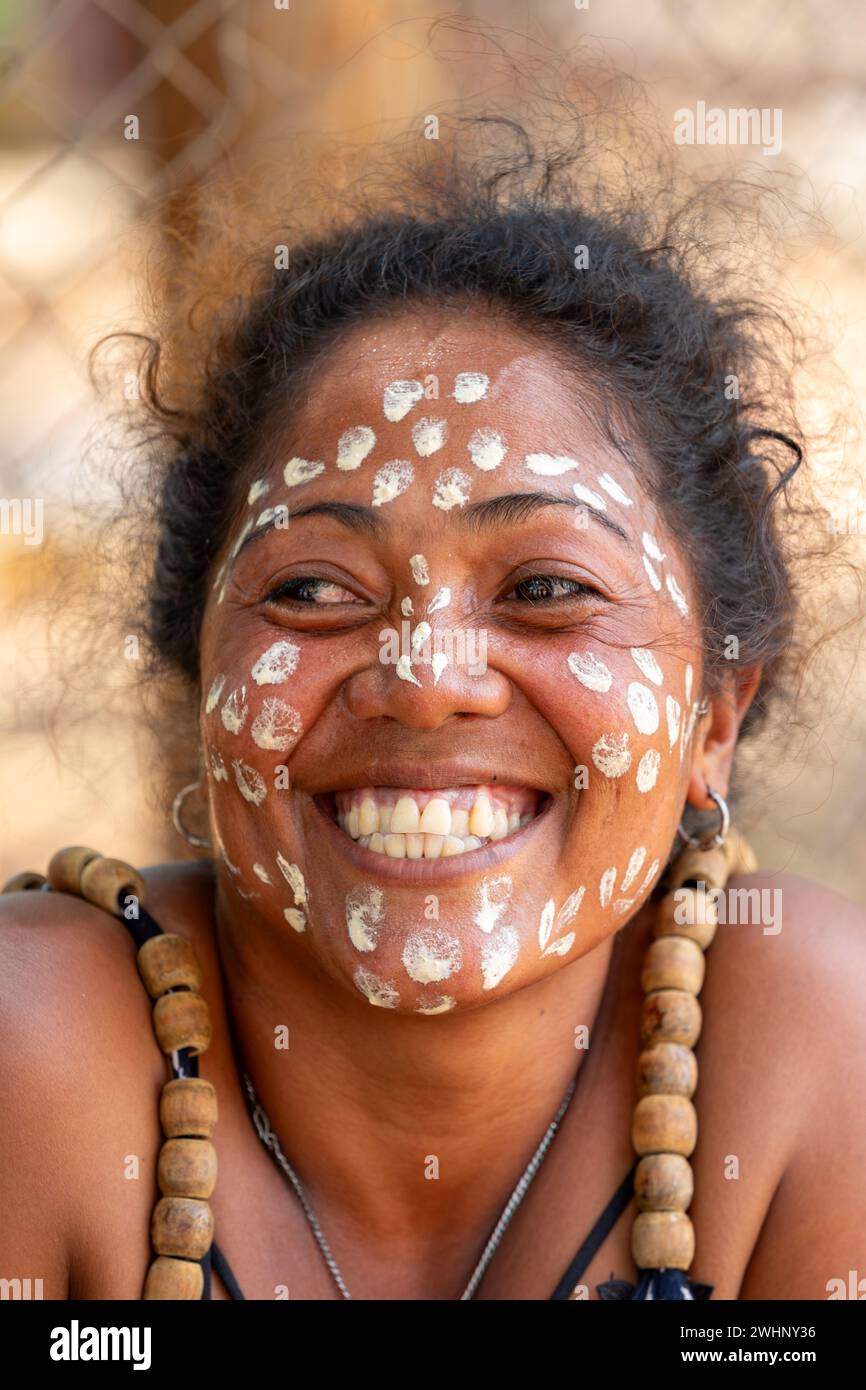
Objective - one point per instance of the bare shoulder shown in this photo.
(783, 1067)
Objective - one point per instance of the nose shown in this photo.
(401, 685)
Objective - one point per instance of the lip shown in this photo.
(430, 776)
(451, 869)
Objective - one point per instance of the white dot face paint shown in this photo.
(428, 436)
(486, 449)
(589, 498)
(622, 906)
(451, 489)
(613, 489)
(380, 993)
(545, 926)
(391, 481)
(353, 446)
(214, 693)
(420, 571)
(295, 879)
(561, 946)
(276, 664)
(406, 607)
(498, 955)
(677, 595)
(648, 770)
(277, 726)
(235, 710)
(612, 755)
(688, 678)
(250, 783)
(651, 546)
(605, 887)
(651, 575)
(299, 471)
(635, 864)
(218, 767)
(672, 715)
(422, 634)
(650, 875)
(261, 872)
(239, 540)
(647, 664)
(550, 465)
(438, 662)
(404, 672)
(431, 955)
(590, 671)
(470, 387)
(295, 919)
(643, 707)
(494, 896)
(365, 908)
(399, 398)
(440, 600)
(570, 908)
(259, 489)
(443, 1005)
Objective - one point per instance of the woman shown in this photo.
(472, 563)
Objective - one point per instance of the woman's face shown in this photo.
(450, 673)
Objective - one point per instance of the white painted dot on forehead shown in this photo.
(643, 707)
(442, 1005)
(646, 663)
(672, 714)
(550, 465)
(677, 595)
(241, 537)
(250, 783)
(257, 490)
(635, 864)
(648, 770)
(612, 755)
(613, 489)
(380, 993)
(431, 955)
(470, 387)
(365, 908)
(451, 489)
(651, 546)
(590, 498)
(353, 447)
(276, 664)
(498, 955)
(590, 671)
(486, 449)
(605, 887)
(651, 574)
(420, 571)
(214, 693)
(428, 436)
(299, 471)
(440, 599)
(277, 726)
(399, 398)
(235, 710)
(391, 481)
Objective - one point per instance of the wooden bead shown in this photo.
(102, 880)
(187, 1168)
(188, 1106)
(698, 866)
(28, 881)
(182, 1020)
(673, 962)
(181, 1226)
(670, 1015)
(688, 912)
(668, 1068)
(171, 1278)
(664, 1124)
(664, 1182)
(168, 962)
(662, 1240)
(65, 867)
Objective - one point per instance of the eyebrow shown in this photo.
(505, 510)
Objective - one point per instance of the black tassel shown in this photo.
(669, 1285)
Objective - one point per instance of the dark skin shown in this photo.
(365, 1094)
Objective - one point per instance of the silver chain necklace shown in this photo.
(272, 1143)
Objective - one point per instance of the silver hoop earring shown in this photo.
(177, 807)
(710, 841)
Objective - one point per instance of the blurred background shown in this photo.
(108, 105)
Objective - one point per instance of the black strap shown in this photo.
(602, 1228)
(222, 1267)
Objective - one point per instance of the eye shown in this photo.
(307, 589)
(549, 588)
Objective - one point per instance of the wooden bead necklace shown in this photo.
(664, 1124)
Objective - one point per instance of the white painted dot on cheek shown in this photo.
(295, 919)
(419, 568)
(261, 872)
(590, 671)
(643, 707)
(295, 879)
(650, 875)
(648, 770)
(235, 710)
(214, 693)
(570, 908)
(277, 726)
(365, 908)
(353, 446)
(605, 887)
(428, 436)
(494, 896)
(561, 946)
(250, 783)
(635, 864)
(218, 767)
(391, 481)
(651, 546)
(545, 925)
(470, 387)
(688, 678)
(451, 489)
(259, 489)
(276, 664)
(612, 755)
(677, 595)
(431, 955)
(399, 397)
(672, 714)
(550, 465)
(440, 600)
(299, 471)
(613, 489)
(486, 449)
(443, 1005)
(647, 664)
(590, 498)
(651, 575)
(498, 955)
(381, 993)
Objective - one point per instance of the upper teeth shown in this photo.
(429, 824)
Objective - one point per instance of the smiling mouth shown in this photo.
(432, 823)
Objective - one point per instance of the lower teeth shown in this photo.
(423, 846)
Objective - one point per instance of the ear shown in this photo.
(716, 737)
